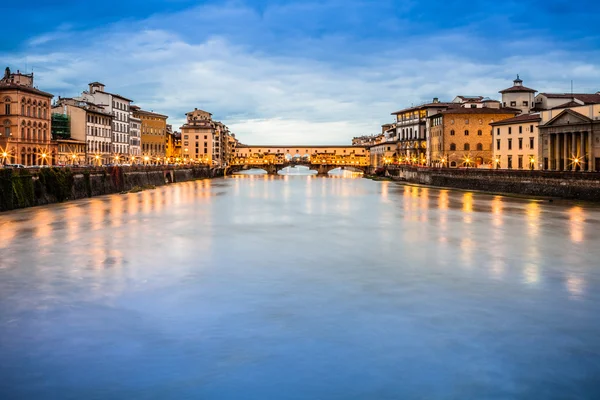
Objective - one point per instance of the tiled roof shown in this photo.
(427, 105)
(587, 98)
(568, 105)
(14, 86)
(519, 119)
(481, 110)
(516, 88)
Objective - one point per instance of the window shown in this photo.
(520, 143)
(452, 121)
(510, 144)
(185, 137)
(497, 144)
(497, 131)
(509, 163)
(466, 132)
(205, 137)
(452, 132)
(531, 128)
(479, 147)
(531, 143)
(520, 129)
(467, 147)
(509, 130)
(513, 103)
(525, 103)
(520, 162)
(452, 147)
(7, 106)
(479, 132)
(7, 128)
(466, 121)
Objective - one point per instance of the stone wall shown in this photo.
(580, 186)
(26, 188)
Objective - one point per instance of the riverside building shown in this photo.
(118, 107)
(516, 142)
(89, 123)
(462, 136)
(25, 122)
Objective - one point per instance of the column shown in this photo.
(550, 154)
(557, 151)
(578, 139)
(592, 162)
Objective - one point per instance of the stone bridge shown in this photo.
(318, 158)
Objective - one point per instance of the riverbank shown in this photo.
(20, 188)
(546, 184)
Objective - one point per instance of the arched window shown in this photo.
(467, 147)
(452, 132)
(479, 132)
(466, 132)
(453, 164)
(7, 106)
(479, 147)
(452, 146)
(7, 128)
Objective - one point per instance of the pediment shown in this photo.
(568, 117)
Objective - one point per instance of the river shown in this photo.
(300, 287)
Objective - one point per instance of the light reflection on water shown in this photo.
(323, 287)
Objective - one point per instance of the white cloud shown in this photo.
(286, 97)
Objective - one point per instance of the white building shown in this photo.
(516, 142)
(518, 96)
(135, 137)
(118, 106)
(91, 124)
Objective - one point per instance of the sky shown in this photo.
(301, 72)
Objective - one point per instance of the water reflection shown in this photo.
(244, 276)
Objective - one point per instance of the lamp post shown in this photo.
(497, 161)
(4, 156)
(44, 155)
(531, 163)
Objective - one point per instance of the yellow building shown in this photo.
(462, 137)
(71, 152)
(154, 135)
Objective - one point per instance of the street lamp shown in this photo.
(497, 161)
(531, 162)
(44, 155)
(4, 156)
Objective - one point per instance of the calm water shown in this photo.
(300, 287)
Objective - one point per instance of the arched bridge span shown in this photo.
(319, 158)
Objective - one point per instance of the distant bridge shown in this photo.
(319, 158)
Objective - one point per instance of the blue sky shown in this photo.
(302, 71)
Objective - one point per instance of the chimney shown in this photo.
(436, 100)
(195, 109)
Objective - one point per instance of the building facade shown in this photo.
(71, 152)
(411, 131)
(89, 123)
(135, 138)
(462, 137)
(518, 96)
(119, 107)
(197, 137)
(571, 138)
(516, 142)
(153, 135)
(25, 121)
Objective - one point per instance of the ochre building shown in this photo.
(154, 135)
(25, 122)
(462, 137)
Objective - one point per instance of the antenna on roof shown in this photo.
(572, 97)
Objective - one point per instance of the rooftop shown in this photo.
(521, 118)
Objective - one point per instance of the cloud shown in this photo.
(318, 85)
